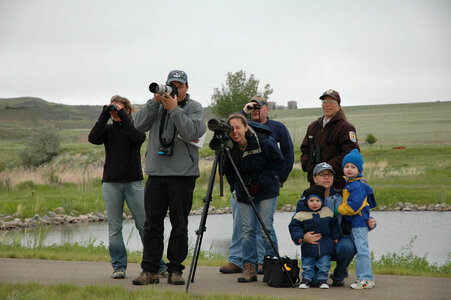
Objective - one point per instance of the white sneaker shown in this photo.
(363, 284)
(304, 285)
(324, 285)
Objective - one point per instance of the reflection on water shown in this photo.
(394, 230)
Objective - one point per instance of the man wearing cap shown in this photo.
(258, 109)
(328, 139)
(172, 168)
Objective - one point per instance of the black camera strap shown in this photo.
(163, 125)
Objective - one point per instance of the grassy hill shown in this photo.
(415, 174)
(395, 124)
(19, 115)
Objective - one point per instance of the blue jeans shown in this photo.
(114, 194)
(344, 253)
(363, 268)
(251, 228)
(235, 251)
(318, 266)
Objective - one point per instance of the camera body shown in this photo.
(166, 150)
(110, 108)
(158, 88)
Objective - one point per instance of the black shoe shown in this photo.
(338, 283)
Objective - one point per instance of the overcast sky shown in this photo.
(85, 51)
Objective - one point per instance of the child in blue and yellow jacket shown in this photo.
(312, 215)
(358, 199)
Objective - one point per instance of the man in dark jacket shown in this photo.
(313, 216)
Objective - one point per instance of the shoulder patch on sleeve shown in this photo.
(352, 136)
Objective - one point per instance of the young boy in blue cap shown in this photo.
(358, 199)
(312, 215)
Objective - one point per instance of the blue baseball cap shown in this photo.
(321, 167)
(177, 75)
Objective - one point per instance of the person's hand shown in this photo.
(169, 102)
(371, 223)
(335, 241)
(158, 97)
(113, 113)
(254, 189)
(312, 238)
(248, 107)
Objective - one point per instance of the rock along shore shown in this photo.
(58, 216)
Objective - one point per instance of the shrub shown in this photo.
(370, 139)
(42, 146)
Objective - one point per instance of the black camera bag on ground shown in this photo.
(275, 276)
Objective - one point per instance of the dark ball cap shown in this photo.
(259, 100)
(331, 93)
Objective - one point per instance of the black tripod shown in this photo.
(218, 143)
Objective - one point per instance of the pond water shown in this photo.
(394, 230)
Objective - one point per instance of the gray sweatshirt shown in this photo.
(188, 123)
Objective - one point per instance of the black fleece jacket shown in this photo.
(122, 143)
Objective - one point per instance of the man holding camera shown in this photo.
(173, 120)
(258, 109)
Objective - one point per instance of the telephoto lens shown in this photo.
(219, 126)
(157, 88)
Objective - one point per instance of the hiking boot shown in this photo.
(164, 274)
(230, 268)
(146, 278)
(323, 285)
(176, 278)
(118, 274)
(304, 284)
(363, 284)
(249, 273)
(260, 269)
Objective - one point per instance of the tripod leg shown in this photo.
(200, 231)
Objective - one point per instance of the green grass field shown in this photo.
(418, 174)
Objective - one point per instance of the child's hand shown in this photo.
(300, 241)
(371, 223)
(335, 241)
(311, 237)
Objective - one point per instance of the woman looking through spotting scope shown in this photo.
(259, 161)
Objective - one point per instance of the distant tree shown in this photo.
(42, 146)
(370, 139)
(237, 91)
